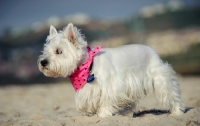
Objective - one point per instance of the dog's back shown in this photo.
(127, 56)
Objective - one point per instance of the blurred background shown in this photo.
(172, 27)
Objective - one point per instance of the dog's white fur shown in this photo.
(123, 75)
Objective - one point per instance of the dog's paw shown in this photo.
(176, 113)
(105, 114)
(88, 114)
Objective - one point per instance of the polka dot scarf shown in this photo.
(80, 75)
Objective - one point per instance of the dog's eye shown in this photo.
(58, 51)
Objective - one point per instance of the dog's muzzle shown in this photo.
(44, 63)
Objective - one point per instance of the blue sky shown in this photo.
(23, 13)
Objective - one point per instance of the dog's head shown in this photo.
(63, 52)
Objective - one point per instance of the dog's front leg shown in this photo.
(105, 111)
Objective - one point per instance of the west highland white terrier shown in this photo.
(109, 81)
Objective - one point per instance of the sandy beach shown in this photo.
(53, 105)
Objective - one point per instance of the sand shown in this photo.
(53, 105)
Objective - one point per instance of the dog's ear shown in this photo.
(71, 34)
(52, 30)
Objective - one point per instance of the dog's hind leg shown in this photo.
(166, 88)
(128, 110)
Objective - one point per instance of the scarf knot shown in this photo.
(79, 77)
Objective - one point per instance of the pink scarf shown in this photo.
(80, 75)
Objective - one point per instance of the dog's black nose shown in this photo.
(44, 63)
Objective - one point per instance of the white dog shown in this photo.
(109, 81)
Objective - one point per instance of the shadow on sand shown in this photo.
(155, 112)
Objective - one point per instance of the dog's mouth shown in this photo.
(48, 72)
(42, 68)
(45, 68)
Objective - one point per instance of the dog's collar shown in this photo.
(82, 74)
